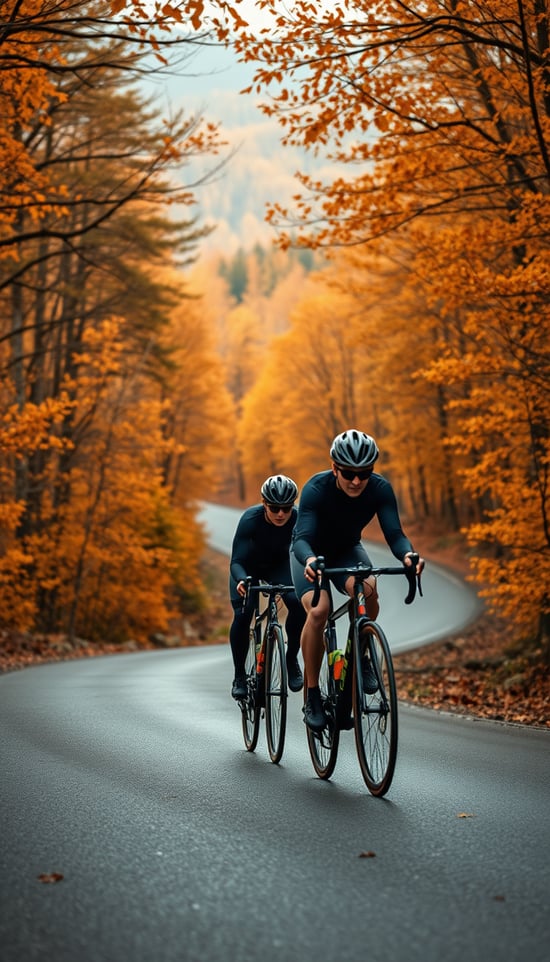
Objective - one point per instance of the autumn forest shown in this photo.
(409, 296)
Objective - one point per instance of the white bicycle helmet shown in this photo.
(354, 449)
(278, 489)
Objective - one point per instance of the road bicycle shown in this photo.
(371, 713)
(266, 671)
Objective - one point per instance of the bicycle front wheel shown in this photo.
(276, 693)
(323, 746)
(250, 711)
(375, 712)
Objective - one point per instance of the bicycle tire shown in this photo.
(375, 715)
(250, 711)
(323, 746)
(276, 693)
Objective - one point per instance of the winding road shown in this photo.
(136, 828)
(448, 604)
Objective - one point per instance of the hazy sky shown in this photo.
(261, 169)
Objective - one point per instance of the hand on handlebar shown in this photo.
(314, 572)
(311, 570)
(409, 559)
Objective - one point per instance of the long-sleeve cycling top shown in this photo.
(330, 522)
(258, 546)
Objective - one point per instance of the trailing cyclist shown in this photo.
(260, 550)
(335, 506)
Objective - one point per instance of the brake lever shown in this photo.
(412, 578)
(319, 568)
(247, 583)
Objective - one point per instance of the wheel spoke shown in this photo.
(375, 714)
(323, 746)
(250, 712)
(276, 694)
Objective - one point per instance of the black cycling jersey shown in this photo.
(259, 548)
(330, 522)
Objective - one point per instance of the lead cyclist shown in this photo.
(335, 507)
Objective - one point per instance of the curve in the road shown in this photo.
(447, 606)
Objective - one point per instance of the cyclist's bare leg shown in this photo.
(371, 596)
(312, 635)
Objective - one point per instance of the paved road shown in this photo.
(127, 775)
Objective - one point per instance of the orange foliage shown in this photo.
(93, 541)
(443, 133)
(197, 411)
(22, 432)
(116, 558)
(42, 69)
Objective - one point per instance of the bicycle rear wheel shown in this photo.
(323, 746)
(275, 693)
(250, 712)
(375, 714)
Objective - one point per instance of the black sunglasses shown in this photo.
(350, 474)
(286, 508)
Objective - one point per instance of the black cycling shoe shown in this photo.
(314, 715)
(370, 681)
(239, 689)
(294, 672)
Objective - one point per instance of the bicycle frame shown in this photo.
(266, 672)
(356, 610)
(361, 679)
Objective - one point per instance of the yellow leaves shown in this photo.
(17, 601)
(136, 552)
(455, 132)
(10, 514)
(25, 430)
(112, 520)
(101, 352)
(452, 387)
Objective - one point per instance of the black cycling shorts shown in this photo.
(353, 556)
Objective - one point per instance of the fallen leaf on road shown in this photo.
(367, 855)
(50, 877)
(465, 815)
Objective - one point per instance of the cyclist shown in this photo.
(335, 506)
(260, 549)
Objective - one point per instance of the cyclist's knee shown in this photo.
(371, 598)
(317, 616)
